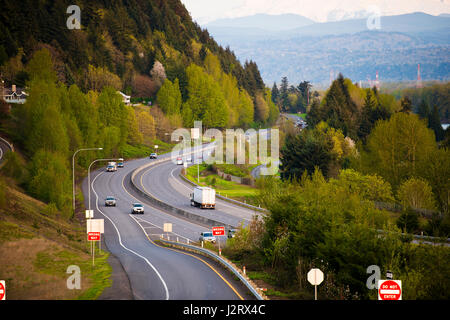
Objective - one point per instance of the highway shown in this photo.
(163, 182)
(4, 147)
(155, 272)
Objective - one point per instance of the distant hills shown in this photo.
(301, 49)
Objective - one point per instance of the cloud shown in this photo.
(318, 10)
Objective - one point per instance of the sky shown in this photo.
(204, 11)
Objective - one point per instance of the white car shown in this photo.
(179, 161)
(137, 208)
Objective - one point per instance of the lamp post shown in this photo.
(89, 177)
(73, 172)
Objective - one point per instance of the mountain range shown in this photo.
(301, 49)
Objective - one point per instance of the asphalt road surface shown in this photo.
(155, 272)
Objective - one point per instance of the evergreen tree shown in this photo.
(423, 110)
(434, 123)
(284, 94)
(275, 93)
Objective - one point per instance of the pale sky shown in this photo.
(204, 11)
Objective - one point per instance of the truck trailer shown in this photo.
(203, 197)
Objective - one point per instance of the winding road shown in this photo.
(156, 272)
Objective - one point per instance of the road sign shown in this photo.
(315, 277)
(218, 231)
(156, 146)
(167, 227)
(94, 236)
(2, 290)
(389, 290)
(95, 225)
(89, 214)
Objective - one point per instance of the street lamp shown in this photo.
(73, 172)
(89, 177)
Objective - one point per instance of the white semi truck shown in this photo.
(203, 197)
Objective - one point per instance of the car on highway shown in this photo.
(207, 236)
(110, 201)
(120, 163)
(231, 233)
(179, 161)
(111, 168)
(153, 156)
(137, 208)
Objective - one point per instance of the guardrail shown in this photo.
(219, 259)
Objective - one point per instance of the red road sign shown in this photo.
(218, 231)
(2, 290)
(94, 236)
(389, 290)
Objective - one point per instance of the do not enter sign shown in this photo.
(2, 290)
(389, 290)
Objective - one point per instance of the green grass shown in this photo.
(223, 187)
(140, 151)
(56, 263)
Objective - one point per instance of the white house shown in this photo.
(126, 99)
(14, 95)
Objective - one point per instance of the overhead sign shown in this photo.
(95, 225)
(94, 236)
(315, 276)
(389, 290)
(218, 231)
(167, 227)
(2, 290)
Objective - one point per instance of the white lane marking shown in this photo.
(155, 226)
(161, 213)
(1, 153)
(120, 240)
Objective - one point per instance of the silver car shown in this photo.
(207, 236)
(110, 201)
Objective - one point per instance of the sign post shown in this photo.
(389, 290)
(167, 228)
(94, 229)
(315, 277)
(218, 231)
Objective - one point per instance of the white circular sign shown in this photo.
(315, 276)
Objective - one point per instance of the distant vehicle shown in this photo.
(207, 236)
(120, 163)
(110, 201)
(111, 167)
(179, 161)
(231, 233)
(188, 159)
(204, 198)
(153, 156)
(137, 208)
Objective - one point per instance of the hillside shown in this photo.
(313, 51)
(132, 46)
